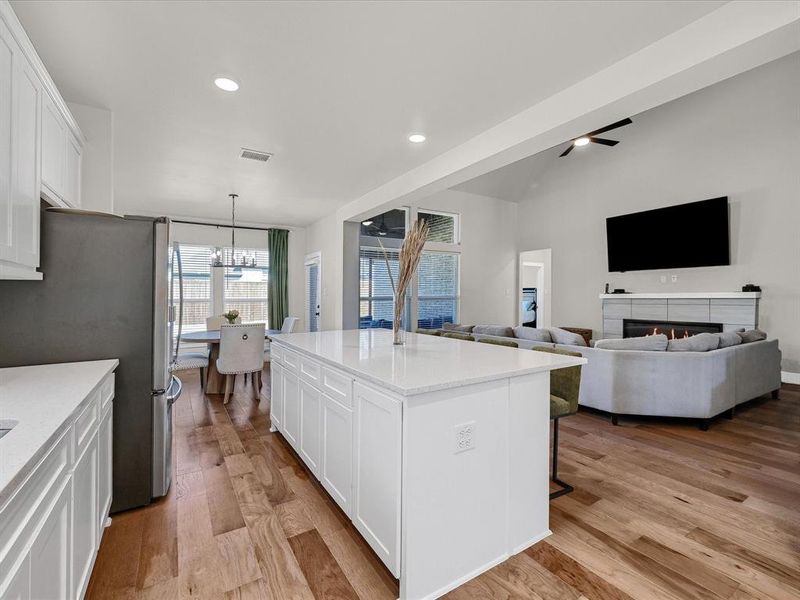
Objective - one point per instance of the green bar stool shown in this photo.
(429, 331)
(565, 386)
(507, 343)
(454, 335)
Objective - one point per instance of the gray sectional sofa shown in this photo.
(699, 385)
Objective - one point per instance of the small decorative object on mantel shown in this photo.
(607, 288)
(231, 316)
(410, 253)
(619, 291)
(751, 287)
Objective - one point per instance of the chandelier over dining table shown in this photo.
(238, 258)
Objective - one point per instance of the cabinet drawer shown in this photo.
(107, 391)
(275, 352)
(338, 386)
(86, 423)
(291, 359)
(310, 370)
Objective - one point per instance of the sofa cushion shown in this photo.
(656, 343)
(702, 342)
(753, 335)
(498, 330)
(728, 338)
(457, 327)
(562, 336)
(536, 334)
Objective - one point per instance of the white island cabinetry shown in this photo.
(55, 476)
(437, 450)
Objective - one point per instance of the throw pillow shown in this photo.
(457, 327)
(729, 338)
(498, 330)
(562, 336)
(702, 342)
(656, 343)
(754, 335)
(535, 334)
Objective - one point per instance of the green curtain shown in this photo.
(278, 267)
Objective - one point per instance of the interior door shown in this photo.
(313, 285)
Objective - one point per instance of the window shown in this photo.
(376, 308)
(389, 225)
(246, 288)
(197, 297)
(437, 289)
(443, 226)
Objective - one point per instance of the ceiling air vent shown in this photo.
(255, 155)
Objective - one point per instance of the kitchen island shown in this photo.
(437, 450)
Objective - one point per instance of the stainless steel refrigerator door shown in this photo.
(162, 436)
(162, 343)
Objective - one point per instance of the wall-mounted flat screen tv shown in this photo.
(687, 235)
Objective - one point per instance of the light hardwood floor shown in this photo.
(661, 510)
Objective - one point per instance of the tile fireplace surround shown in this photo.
(733, 309)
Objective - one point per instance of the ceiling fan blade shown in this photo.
(604, 141)
(610, 127)
(568, 150)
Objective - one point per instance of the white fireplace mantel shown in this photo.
(709, 295)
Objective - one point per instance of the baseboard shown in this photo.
(789, 377)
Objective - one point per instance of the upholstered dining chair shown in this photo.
(188, 361)
(287, 327)
(454, 335)
(241, 351)
(565, 387)
(508, 343)
(214, 323)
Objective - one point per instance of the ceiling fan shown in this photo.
(590, 137)
(381, 229)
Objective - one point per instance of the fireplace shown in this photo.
(672, 329)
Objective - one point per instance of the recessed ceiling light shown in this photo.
(581, 141)
(416, 138)
(366, 223)
(227, 84)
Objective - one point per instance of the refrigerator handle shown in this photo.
(177, 250)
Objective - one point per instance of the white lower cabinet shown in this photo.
(51, 526)
(291, 409)
(378, 432)
(337, 452)
(310, 426)
(276, 395)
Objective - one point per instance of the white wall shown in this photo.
(221, 236)
(739, 138)
(97, 162)
(326, 237)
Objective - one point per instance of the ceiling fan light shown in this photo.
(581, 141)
(366, 223)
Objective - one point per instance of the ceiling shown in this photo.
(331, 88)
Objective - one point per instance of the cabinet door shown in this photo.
(25, 178)
(377, 472)
(54, 147)
(337, 452)
(72, 175)
(310, 429)
(9, 54)
(276, 395)
(104, 462)
(19, 584)
(84, 518)
(50, 552)
(291, 408)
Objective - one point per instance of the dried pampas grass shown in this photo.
(410, 254)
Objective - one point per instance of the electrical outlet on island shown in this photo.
(464, 437)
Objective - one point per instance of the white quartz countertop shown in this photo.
(425, 363)
(40, 399)
(655, 295)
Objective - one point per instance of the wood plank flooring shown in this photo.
(661, 510)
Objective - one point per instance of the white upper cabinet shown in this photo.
(40, 149)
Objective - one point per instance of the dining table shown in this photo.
(214, 383)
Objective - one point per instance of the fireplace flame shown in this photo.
(672, 335)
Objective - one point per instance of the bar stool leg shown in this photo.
(565, 487)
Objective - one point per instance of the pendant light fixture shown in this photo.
(244, 259)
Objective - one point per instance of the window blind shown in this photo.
(437, 289)
(442, 227)
(197, 297)
(246, 289)
(376, 308)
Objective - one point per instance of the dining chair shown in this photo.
(565, 387)
(286, 327)
(241, 351)
(188, 361)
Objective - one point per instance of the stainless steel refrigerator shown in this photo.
(106, 293)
